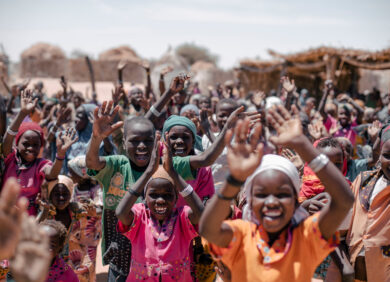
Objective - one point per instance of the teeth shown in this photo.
(179, 151)
(160, 210)
(273, 213)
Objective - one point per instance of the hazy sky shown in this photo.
(229, 28)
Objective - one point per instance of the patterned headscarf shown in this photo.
(62, 179)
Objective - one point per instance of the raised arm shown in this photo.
(289, 87)
(243, 159)
(102, 128)
(63, 142)
(209, 156)
(321, 107)
(192, 199)
(290, 135)
(27, 105)
(123, 210)
(177, 85)
(161, 83)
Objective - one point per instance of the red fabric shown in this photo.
(311, 184)
(25, 126)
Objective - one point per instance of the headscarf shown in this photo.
(175, 120)
(62, 179)
(79, 166)
(311, 184)
(189, 107)
(160, 173)
(80, 147)
(25, 126)
(270, 162)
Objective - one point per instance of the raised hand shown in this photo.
(167, 157)
(258, 98)
(316, 130)
(12, 210)
(373, 129)
(243, 158)
(288, 85)
(155, 156)
(293, 157)
(63, 115)
(254, 117)
(288, 127)
(65, 140)
(177, 83)
(27, 103)
(32, 258)
(102, 123)
(204, 120)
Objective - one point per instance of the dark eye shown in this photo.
(261, 195)
(283, 195)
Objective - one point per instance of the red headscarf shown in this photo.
(311, 184)
(25, 126)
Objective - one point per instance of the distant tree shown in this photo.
(192, 53)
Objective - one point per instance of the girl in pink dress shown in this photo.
(159, 232)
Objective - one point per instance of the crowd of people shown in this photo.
(179, 185)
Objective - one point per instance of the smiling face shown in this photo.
(181, 140)
(179, 98)
(160, 198)
(223, 112)
(29, 145)
(60, 196)
(385, 159)
(273, 200)
(138, 142)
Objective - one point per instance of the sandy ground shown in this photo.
(101, 271)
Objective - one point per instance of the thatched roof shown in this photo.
(201, 66)
(119, 53)
(43, 51)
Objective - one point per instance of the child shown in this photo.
(277, 245)
(86, 230)
(181, 136)
(159, 233)
(59, 270)
(23, 163)
(116, 174)
(368, 236)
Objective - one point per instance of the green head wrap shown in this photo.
(175, 120)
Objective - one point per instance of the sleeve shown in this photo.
(206, 183)
(183, 167)
(319, 246)
(113, 164)
(130, 231)
(186, 226)
(228, 254)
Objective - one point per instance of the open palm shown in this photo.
(102, 122)
(27, 103)
(243, 158)
(65, 140)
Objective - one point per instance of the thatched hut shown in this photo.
(43, 60)
(312, 67)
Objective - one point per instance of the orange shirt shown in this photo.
(371, 230)
(249, 258)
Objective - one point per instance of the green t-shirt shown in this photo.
(115, 179)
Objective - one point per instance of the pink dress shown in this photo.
(30, 177)
(159, 250)
(347, 132)
(203, 186)
(59, 271)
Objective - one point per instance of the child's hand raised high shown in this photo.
(27, 103)
(155, 156)
(177, 83)
(102, 127)
(288, 127)
(65, 140)
(243, 158)
(239, 113)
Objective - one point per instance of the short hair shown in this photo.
(311, 99)
(346, 144)
(59, 227)
(227, 101)
(329, 142)
(131, 120)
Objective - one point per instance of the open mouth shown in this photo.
(160, 210)
(272, 214)
(179, 150)
(142, 156)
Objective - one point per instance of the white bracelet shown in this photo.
(187, 191)
(11, 132)
(319, 162)
(154, 111)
